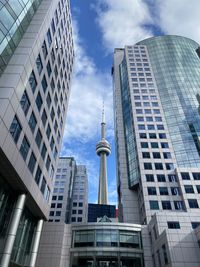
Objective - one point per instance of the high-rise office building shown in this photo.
(70, 193)
(157, 128)
(36, 59)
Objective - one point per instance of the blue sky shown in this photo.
(98, 27)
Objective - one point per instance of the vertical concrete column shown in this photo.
(13, 230)
(36, 243)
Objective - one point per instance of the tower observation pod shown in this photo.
(103, 150)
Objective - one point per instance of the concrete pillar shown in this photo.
(36, 243)
(13, 230)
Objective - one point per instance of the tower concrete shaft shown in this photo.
(103, 150)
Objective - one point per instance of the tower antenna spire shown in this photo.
(103, 150)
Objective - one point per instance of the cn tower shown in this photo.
(103, 150)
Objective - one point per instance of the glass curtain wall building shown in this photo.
(156, 106)
(36, 61)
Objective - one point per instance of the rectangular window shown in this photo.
(144, 145)
(173, 225)
(196, 176)
(141, 127)
(32, 81)
(39, 101)
(175, 191)
(185, 175)
(162, 136)
(156, 155)
(38, 138)
(39, 64)
(152, 135)
(178, 205)
(154, 145)
(15, 129)
(198, 188)
(143, 135)
(147, 166)
(158, 166)
(164, 145)
(193, 204)
(189, 189)
(44, 49)
(154, 205)
(169, 166)
(32, 162)
(195, 224)
(163, 191)
(44, 151)
(32, 122)
(25, 103)
(43, 185)
(149, 177)
(24, 149)
(161, 178)
(151, 191)
(38, 175)
(172, 178)
(146, 155)
(167, 155)
(166, 205)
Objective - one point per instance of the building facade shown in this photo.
(36, 60)
(156, 106)
(96, 211)
(70, 195)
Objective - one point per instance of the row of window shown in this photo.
(187, 176)
(156, 155)
(154, 145)
(144, 91)
(58, 206)
(139, 64)
(147, 111)
(150, 127)
(158, 166)
(146, 104)
(166, 205)
(163, 190)
(77, 211)
(142, 85)
(161, 178)
(149, 118)
(15, 131)
(153, 135)
(74, 219)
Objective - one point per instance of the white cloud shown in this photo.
(180, 17)
(85, 105)
(122, 22)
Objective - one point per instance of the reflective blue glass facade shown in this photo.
(176, 67)
(15, 16)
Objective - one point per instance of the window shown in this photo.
(193, 204)
(44, 151)
(38, 175)
(166, 205)
(39, 64)
(44, 49)
(164, 145)
(32, 162)
(196, 176)
(44, 117)
(160, 127)
(48, 100)
(49, 37)
(185, 175)
(80, 204)
(151, 191)
(167, 155)
(149, 118)
(49, 70)
(178, 205)
(60, 197)
(154, 205)
(162, 136)
(161, 178)
(32, 81)
(152, 135)
(80, 212)
(52, 143)
(147, 166)
(144, 145)
(48, 161)
(149, 177)
(175, 191)
(43, 185)
(141, 127)
(53, 205)
(172, 178)
(195, 224)
(163, 191)
(143, 135)
(59, 205)
(165, 254)
(146, 155)
(74, 204)
(52, 114)
(156, 155)
(15, 129)
(32, 122)
(53, 26)
(51, 213)
(154, 145)
(55, 153)
(73, 219)
(24, 149)
(198, 188)
(38, 138)
(58, 213)
(54, 197)
(25, 103)
(39, 101)
(158, 166)
(189, 189)
(44, 84)
(158, 119)
(79, 219)
(173, 225)
(169, 166)
(52, 85)
(48, 131)
(150, 127)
